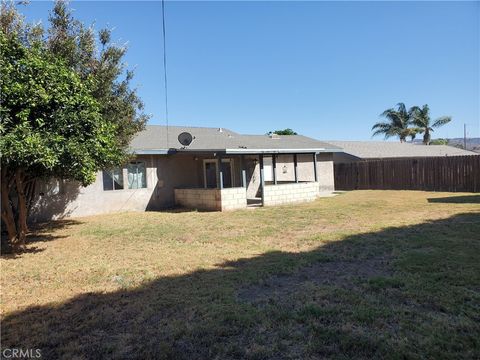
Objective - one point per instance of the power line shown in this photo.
(165, 65)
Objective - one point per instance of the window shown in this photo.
(137, 177)
(113, 179)
(227, 173)
(268, 168)
(210, 173)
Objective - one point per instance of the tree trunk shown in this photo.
(22, 227)
(30, 193)
(15, 211)
(426, 137)
(7, 213)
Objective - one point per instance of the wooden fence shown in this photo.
(455, 173)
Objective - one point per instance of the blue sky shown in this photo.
(325, 69)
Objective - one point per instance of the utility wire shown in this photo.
(165, 65)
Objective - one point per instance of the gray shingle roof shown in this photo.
(154, 137)
(386, 149)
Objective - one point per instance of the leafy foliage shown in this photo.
(408, 123)
(67, 108)
(51, 123)
(76, 44)
(397, 124)
(421, 119)
(286, 131)
(439, 142)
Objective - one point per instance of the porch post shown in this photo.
(262, 179)
(295, 170)
(220, 172)
(274, 164)
(243, 173)
(315, 173)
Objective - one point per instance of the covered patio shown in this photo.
(237, 179)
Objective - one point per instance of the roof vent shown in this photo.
(274, 136)
(220, 130)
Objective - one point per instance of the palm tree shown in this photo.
(421, 119)
(397, 125)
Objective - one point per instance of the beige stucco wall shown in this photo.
(286, 173)
(164, 173)
(252, 168)
(285, 168)
(58, 199)
(325, 173)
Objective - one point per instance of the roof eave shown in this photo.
(153, 151)
(234, 151)
(260, 151)
(281, 151)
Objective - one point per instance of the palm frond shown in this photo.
(386, 134)
(397, 124)
(415, 108)
(413, 111)
(420, 116)
(426, 109)
(401, 108)
(387, 113)
(381, 125)
(441, 121)
(417, 130)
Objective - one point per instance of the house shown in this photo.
(375, 150)
(219, 170)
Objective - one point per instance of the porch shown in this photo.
(230, 182)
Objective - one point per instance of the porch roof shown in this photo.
(153, 140)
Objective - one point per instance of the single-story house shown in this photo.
(353, 151)
(218, 170)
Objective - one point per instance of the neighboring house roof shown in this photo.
(154, 140)
(387, 149)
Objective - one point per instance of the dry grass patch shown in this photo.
(364, 274)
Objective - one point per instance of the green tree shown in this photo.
(286, 131)
(62, 115)
(421, 119)
(75, 43)
(439, 142)
(397, 124)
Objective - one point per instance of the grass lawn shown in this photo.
(366, 274)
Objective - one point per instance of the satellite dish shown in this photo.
(185, 138)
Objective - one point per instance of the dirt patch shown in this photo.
(339, 273)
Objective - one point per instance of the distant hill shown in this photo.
(473, 144)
